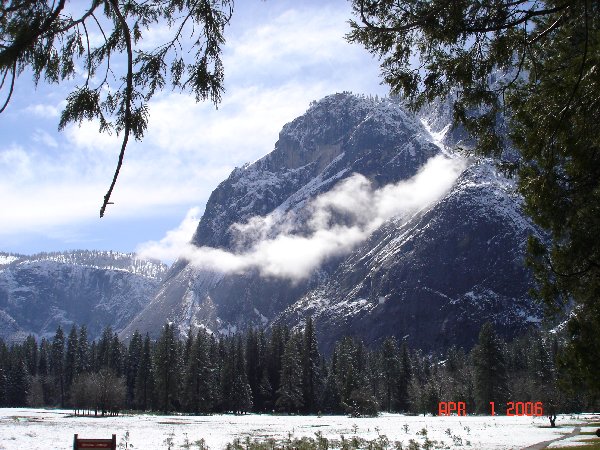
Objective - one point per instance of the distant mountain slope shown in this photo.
(433, 278)
(96, 289)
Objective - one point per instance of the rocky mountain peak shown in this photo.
(431, 278)
(339, 135)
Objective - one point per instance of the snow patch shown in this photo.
(39, 429)
(7, 259)
(263, 319)
(437, 138)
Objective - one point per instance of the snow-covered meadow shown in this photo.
(24, 428)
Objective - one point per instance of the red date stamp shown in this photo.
(511, 409)
(449, 408)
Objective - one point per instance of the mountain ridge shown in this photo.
(341, 135)
(92, 288)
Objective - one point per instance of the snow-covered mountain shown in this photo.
(92, 288)
(432, 277)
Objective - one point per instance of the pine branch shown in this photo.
(128, 100)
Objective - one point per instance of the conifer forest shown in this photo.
(281, 371)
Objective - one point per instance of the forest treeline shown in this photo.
(282, 371)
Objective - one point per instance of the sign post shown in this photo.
(94, 443)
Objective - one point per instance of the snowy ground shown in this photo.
(22, 428)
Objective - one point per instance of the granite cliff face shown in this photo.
(96, 289)
(432, 278)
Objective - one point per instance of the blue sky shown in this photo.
(279, 56)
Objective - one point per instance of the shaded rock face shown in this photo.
(432, 279)
(340, 135)
(96, 289)
(435, 279)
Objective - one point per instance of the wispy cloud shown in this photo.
(43, 110)
(338, 221)
(44, 138)
(169, 247)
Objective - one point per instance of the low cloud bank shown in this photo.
(334, 223)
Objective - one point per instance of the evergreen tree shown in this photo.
(404, 377)
(44, 372)
(254, 366)
(542, 373)
(459, 383)
(415, 398)
(330, 400)
(390, 369)
(311, 369)
(216, 367)
(226, 356)
(275, 351)
(349, 368)
(265, 393)
(134, 356)
(103, 352)
(517, 360)
(355, 380)
(94, 362)
(212, 393)
(71, 369)
(187, 349)
(166, 363)
(30, 352)
(358, 397)
(199, 383)
(144, 380)
(117, 356)
(83, 351)
(224, 371)
(57, 369)
(289, 394)
(262, 394)
(241, 394)
(375, 377)
(432, 392)
(17, 380)
(491, 383)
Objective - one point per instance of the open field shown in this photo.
(24, 428)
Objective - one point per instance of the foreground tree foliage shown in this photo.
(491, 374)
(524, 75)
(51, 39)
(206, 374)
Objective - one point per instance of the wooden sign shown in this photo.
(95, 443)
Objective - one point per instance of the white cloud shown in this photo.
(244, 128)
(15, 164)
(43, 110)
(44, 138)
(47, 206)
(278, 251)
(168, 247)
(299, 37)
(87, 136)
